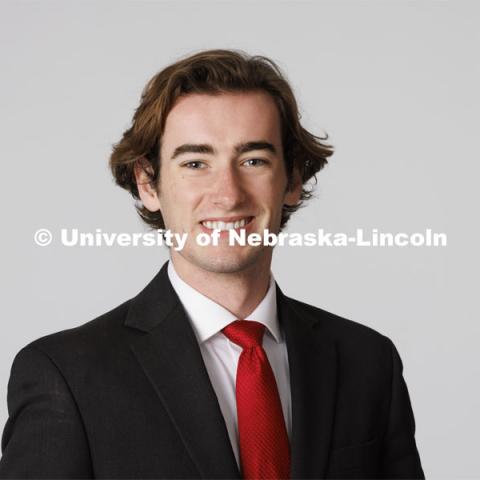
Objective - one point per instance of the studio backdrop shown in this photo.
(393, 84)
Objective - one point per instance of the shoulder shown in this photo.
(90, 342)
(363, 355)
(350, 337)
(111, 330)
(335, 324)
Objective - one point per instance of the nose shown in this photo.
(228, 191)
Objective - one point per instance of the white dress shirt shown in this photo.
(220, 355)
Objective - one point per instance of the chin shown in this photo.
(224, 262)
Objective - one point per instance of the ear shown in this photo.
(294, 191)
(146, 190)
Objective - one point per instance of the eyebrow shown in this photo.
(239, 148)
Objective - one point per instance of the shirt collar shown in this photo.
(208, 317)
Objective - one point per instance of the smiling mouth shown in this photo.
(225, 226)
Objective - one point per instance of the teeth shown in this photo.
(225, 226)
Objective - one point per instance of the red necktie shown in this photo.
(264, 449)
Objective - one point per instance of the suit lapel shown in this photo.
(312, 362)
(169, 355)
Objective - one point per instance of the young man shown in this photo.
(211, 371)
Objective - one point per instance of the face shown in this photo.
(222, 167)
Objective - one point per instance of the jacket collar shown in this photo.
(312, 358)
(153, 304)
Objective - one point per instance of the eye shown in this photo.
(194, 165)
(255, 162)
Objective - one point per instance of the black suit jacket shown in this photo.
(127, 395)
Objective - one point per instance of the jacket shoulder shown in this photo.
(100, 334)
(341, 329)
(362, 352)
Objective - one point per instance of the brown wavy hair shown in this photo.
(214, 72)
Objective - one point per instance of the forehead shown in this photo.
(224, 119)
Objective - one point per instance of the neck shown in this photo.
(239, 292)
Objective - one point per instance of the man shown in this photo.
(211, 371)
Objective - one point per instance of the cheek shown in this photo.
(179, 204)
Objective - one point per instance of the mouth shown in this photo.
(226, 224)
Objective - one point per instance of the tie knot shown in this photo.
(245, 333)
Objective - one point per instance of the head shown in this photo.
(217, 135)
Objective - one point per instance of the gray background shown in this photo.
(395, 84)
